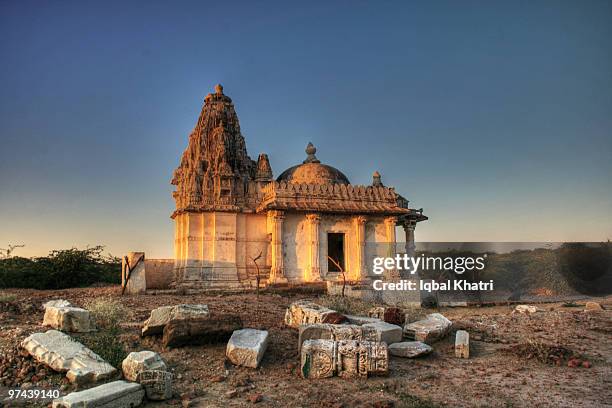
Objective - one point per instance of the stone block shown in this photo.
(409, 349)
(305, 312)
(117, 394)
(344, 358)
(203, 330)
(136, 283)
(393, 315)
(60, 352)
(462, 344)
(157, 384)
(246, 347)
(593, 306)
(526, 309)
(433, 328)
(383, 331)
(69, 319)
(161, 316)
(56, 303)
(139, 361)
(359, 320)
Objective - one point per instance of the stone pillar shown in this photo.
(409, 226)
(314, 269)
(390, 229)
(275, 219)
(362, 270)
(134, 265)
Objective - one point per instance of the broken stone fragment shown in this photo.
(593, 306)
(117, 394)
(345, 358)
(202, 330)
(359, 320)
(462, 344)
(161, 316)
(393, 315)
(409, 349)
(69, 319)
(433, 328)
(60, 352)
(305, 312)
(56, 303)
(246, 347)
(139, 361)
(526, 309)
(157, 384)
(383, 331)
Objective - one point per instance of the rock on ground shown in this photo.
(462, 344)
(387, 332)
(526, 309)
(202, 330)
(60, 352)
(409, 349)
(138, 361)
(56, 303)
(433, 328)
(359, 320)
(246, 347)
(306, 311)
(69, 319)
(117, 394)
(593, 306)
(157, 384)
(161, 316)
(393, 315)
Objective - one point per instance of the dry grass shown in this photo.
(7, 297)
(108, 313)
(346, 305)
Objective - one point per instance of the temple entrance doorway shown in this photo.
(335, 250)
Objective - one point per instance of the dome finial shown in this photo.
(219, 89)
(376, 179)
(310, 151)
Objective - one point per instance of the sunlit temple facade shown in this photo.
(233, 220)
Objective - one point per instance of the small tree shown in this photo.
(258, 276)
(341, 269)
(7, 252)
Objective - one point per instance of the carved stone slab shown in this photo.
(462, 344)
(117, 394)
(344, 358)
(393, 315)
(305, 312)
(69, 319)
(246, 347)
(161, 316)
(139, 361)
(434, 327)
(157, 384)
(60, 352)
(373, 332)
(409, 349)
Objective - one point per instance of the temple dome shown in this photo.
(311, 171)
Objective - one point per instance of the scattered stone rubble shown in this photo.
(210, 328)
(68, 318)
(136, 362)
(161, 316)
(246, 347)
(344, 358)
(305, 312)
(409, 349)
(593, 306)
(359, 320)
(117, 394)
(462, 344)
(60, 352)
(431, 329)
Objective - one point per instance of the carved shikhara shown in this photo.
(344, 358)
(229, 210)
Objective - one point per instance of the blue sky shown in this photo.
(496, 117)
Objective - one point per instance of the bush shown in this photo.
(108, 313)
(66, 268)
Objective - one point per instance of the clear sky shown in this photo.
(495, 116)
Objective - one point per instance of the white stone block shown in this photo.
(246, 347)
(56, 303)
(69, 319)
(306, 312)
(434, 327)
(409, 349)
(359, 320)
(60, 352)
(138, 361)
(386, 332)
(161, 316)
(462, 344)
(117, 394)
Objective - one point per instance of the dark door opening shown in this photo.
(335, 250)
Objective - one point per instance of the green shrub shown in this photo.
(108, 313)
(61, 269)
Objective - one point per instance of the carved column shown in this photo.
(362, 271)
(390, 227)
(409, 226)
(275, 219)
(314, 270)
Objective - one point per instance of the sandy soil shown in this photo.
(494, 376)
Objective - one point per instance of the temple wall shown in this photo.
(159, 273)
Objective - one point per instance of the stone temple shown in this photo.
(233, 220)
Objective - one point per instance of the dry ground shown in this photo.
(494, 376)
